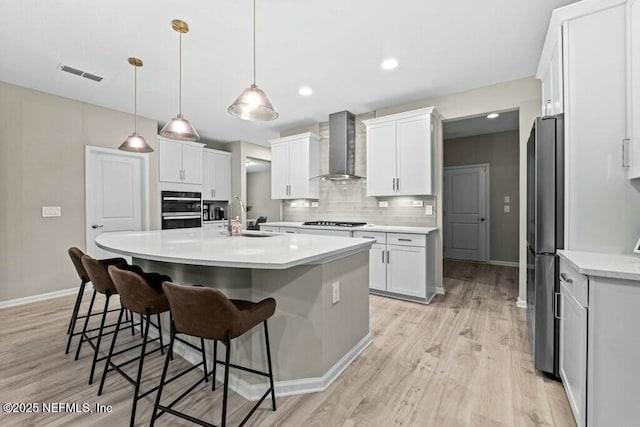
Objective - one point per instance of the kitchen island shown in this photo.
(313, 339)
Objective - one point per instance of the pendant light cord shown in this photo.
(180, 79)
(135, 100)
(254, 42)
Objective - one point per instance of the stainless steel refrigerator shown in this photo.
(545, 234)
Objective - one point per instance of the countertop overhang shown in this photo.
(197, 246)
(618, 266)
(368, 227)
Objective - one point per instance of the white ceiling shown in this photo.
(481, 125)
(333, 46)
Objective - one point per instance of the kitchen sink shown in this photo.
(255, 235)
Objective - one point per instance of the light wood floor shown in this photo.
(461, 361)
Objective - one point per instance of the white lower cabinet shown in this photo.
(378, 267)
(406, 270)
(322, 232)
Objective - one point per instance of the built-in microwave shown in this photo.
(181, 209)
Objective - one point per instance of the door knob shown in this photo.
(97, 226)
(481, 219)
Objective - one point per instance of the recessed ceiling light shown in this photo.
(305, 91)
(389, 64)
(492, 115)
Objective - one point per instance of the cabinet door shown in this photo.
(169, 161)
(192, 164)
(547, 102)
(414, 156)
(221, 177)
(557, 104)
(377, 267)
(573, 352)
(207, 175)
(299, 169)
(381, 159)
(633, 90)
(406, 270)
(280, 171)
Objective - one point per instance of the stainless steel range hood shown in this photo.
(342, 147)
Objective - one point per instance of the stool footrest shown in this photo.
(184, 416)
(253, 371)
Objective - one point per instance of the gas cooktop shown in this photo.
(336, 223)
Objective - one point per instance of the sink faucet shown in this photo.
(229, 203)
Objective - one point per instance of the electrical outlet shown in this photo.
(50, 211)
(507, 208)
(507, 199)
(314, 204)
(418, 203)
(382, 204)
(335, 294)
(428, 210)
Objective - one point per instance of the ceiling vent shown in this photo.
(80, 73)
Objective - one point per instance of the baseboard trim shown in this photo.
(504, 263)
(42, 297)
(254, 392)
(521, 303)
(440, 290)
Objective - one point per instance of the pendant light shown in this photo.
(134, 142)
(179, 128)
(253, 103)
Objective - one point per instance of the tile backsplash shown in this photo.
(348, 201)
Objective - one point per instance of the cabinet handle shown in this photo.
(383, 257)
(405, 240)
(397, 184)
(556, 305)
(625, 151)
(394, 184)
(388, 257)
(566, 278)
(368, 237)
(214, 193)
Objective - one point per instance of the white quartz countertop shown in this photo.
(368, 227)
(603, 265)
(198, 246)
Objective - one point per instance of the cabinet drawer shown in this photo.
(576, 283)
(376, 236)
(407, 239)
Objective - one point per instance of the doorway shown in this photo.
(466, 219)
(116, 194)
(259, 202)
(486, 144)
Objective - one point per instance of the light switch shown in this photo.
(314, 204)
(507, 199)
(382, 204)
(507, 208)
(51, 211)
(418, 203)
(428, 210)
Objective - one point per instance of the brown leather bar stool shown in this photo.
(207, 313)
(102, 284)
(76, 258)
(142, 294)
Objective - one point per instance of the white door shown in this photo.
(466, 221)
(381, 159)
(299, 168)
(280, 170)
(191, 164)
(413, 148)
(406, 270)
(169, 161)
(221, 177)
(116, 189)
(377, 267)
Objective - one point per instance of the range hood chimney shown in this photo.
(342, 147)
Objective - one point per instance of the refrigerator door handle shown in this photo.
(557, 299)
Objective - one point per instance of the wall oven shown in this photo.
(181, 209)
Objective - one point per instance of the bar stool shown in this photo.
(207, 313)
(142, 294)
(102, 284)
(76, 258)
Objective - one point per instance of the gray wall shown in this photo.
(349, 202)
(501, 151)
(259, 197)
(42, 148)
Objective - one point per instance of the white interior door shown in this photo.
(116, 189)
(466, 219)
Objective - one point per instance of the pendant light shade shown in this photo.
(134, 142)
(253, 103)
(179, 128)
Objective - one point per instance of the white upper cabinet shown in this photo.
(216, 183)
(632, 144)
(400, 150)
(550, 73)
(179, 162)
(295, 166)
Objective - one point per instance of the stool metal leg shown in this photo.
(164, 374)
(139, 377)
(204, 360)
(215, 363)
(86, 322)
(273, 392)
(76, 308)
(97, 349)
(226, 380)
(113, 344)
(160, 333)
